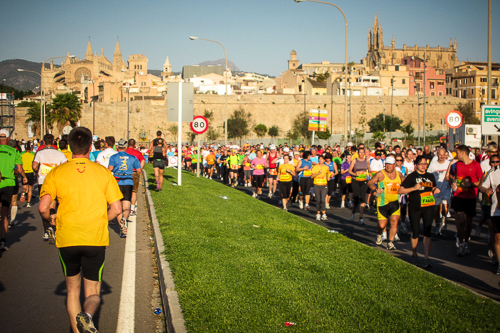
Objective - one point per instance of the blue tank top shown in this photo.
(306, 163)
(330, 166)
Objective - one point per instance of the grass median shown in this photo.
(241, 265)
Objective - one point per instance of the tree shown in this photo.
(378, 136)
(407, 130)
(292, 136)
(212, 134)
(274, 131)
(468, 114)
(324, 135)
(301, 125)
(174, 130)
(391, 123)
(191, 137)
(238, 124)
(66, 108)
(208, 114)
(34, 116)
(260, 130)
(321, 77)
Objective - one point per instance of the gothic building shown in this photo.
(379, 55)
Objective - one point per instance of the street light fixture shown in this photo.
(225, 83)
(345, 85)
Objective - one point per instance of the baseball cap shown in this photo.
(390, 160)
(286, 149)
(122, 143)
(272, 147)
(4, 133)
(349, 144)
(378, 153)
(296, 153)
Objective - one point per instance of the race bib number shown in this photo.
(427, 199)
(285, 176)
(45, 168)
(374, 173)
(348, 179)
(393, 188)
(273, 172)
(247, 164)
(259, 167)
(307, 173)
(361, 176)
(234, 167)
(320, 181)
(211, 162)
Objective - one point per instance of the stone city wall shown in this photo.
(270, 110)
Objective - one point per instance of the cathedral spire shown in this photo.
(451, 43)
(88, 54)
(118, 52)
(381, 39)
(455, 46)
(369, 38)
(392, 42)
(375, 23)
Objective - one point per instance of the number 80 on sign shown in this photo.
(199, 125)
(454, 119)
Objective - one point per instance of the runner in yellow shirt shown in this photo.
(210, 158)
(320, 176)
(285, 173)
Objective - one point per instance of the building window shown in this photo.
(440, 93)
(493, 94)
(404, 81)
(441, 83)
(484, 79)
(432, 84)
(472, 91)
(396, 68)
(465, 81)
(471, 80)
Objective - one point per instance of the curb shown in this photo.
(174, 319)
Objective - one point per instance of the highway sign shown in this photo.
(317, 120)
(454, 119)
(490, 120)
(199, 125)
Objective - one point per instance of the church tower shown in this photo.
(167, 70)
(118, 62)
(88, 54)
(293, 63)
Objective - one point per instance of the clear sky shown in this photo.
(258, 34)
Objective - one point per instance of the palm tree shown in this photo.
(65, 108)
(34, 116)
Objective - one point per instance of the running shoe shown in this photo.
(352, 217)
(448, 215)
(3, 246)
(457, 242)
(23, 198)
(285, 209)
(367, 206)
(466, 249)
(426, 264)
(384, 236)
(28, 205)
(327, 206)
(460, 251)
(158, 186)
(45, 236)
(270, 194)
(478, 232)
(379, 239)
(390, 246)
(490, 253)
(123, 228)
(318, 217)
(361, 221)
(396, 238)
(324, 218)
(301, 204)
(133, 212)
(342, 205)
(52, 235)
(437, 230)
(349, 204)
(210, 178)
(307, 207)
(11, 225)
(85, 324)
(254, 195)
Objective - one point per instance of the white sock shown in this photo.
(13, 213)
(133, 207)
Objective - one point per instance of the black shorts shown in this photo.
(468, 206)
(210, 166)
(285, 189)
(90, 259)
(159, 164)
(126, 191)
(384, 212)
(495, 222)
(6, 194)
(305, 184)
(31, 178)
(270, 176)
(486, 211)
(258, 181)
(359, 191)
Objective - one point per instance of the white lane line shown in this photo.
(126, 313)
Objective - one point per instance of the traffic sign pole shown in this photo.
(198, 159)
(179, 139)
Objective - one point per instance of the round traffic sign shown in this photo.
(454, 119)
(199, 125)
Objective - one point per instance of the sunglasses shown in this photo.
(494, 162)
(399, 160)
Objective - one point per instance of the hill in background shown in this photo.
(20, 80)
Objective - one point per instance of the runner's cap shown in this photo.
(349, 144)
(272, 147)
(4, 133)
(122, 144)
(286, 149)
(390, 160)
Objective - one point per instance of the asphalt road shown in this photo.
(474, 271)
(32, 287)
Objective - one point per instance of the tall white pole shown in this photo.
(179, 138)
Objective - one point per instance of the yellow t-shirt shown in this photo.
(210, 158)
(27, 158)
(68, 154)
(84, 190)
(322, 178)
(283, 175)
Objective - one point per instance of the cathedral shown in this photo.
(379, 55)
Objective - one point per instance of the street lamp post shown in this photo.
(392, 100)
(345, 102)
(225, 83)
(425, 66)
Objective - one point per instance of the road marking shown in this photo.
(126, 313)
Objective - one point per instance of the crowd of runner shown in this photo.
(406, 187)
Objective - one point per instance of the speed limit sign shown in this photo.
(199, 125)
(454, 119)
